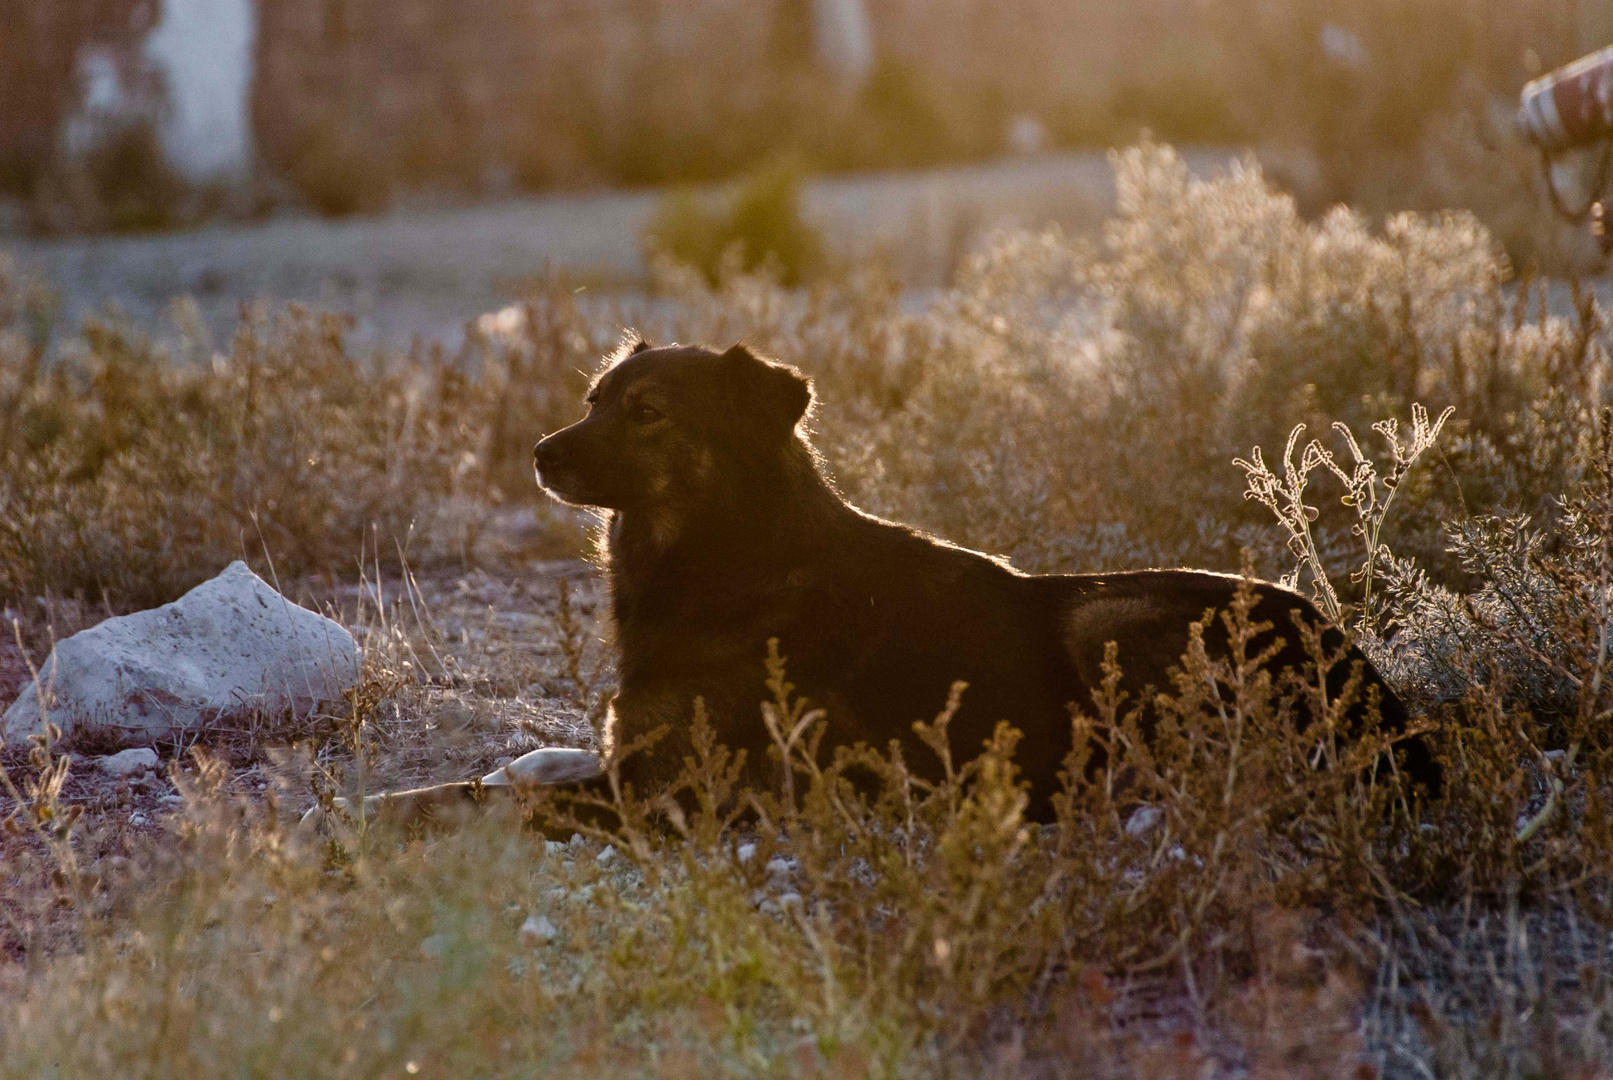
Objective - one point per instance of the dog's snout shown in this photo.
(547, 454)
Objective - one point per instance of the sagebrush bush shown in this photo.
(759, 226)
(127, 476)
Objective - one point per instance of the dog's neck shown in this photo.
(664, 551)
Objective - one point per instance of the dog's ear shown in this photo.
(631, 344)
(776, 392)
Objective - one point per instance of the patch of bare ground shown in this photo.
(481, 666)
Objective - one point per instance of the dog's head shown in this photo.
(668, 427)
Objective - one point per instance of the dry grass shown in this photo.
(1228, 898)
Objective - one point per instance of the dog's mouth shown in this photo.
(559, 483)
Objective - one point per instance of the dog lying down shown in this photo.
(723, 532)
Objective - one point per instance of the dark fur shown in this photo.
(723, 533)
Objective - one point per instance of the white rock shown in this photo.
(746, 852)
(604, 857)
(228, 645)
(126, 762)
(538, 928)
(138, 818)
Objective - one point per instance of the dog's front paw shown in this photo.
(550, 765)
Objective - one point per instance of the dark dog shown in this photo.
(723, 533)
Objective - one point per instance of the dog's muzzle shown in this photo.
(548, 465)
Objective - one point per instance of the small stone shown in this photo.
(745, 853)
(779, 866)
(604, 857)
(553, 847)
(126, 762)
(1143, 820)
(576, 840)
(789, 899)
(539, 928)
(138, 819)
(173, 800)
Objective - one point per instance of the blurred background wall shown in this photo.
(146, 113)
(494, 93)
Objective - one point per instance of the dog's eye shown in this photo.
(645, 414)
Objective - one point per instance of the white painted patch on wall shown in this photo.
(204, 49)
(845, 38)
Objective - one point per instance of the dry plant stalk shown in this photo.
(36, 808)
(1285, 497)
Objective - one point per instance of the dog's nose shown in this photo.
(546, 455)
